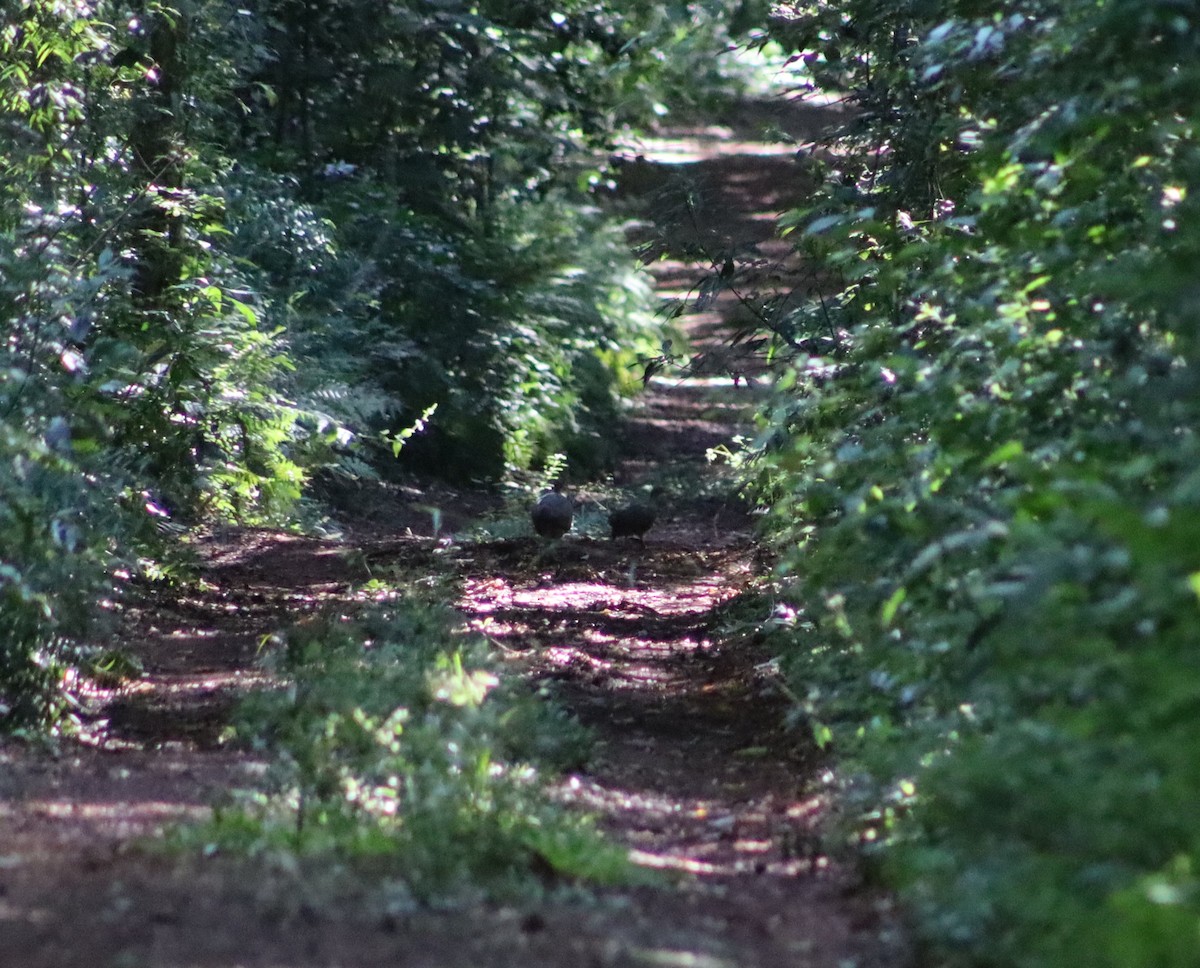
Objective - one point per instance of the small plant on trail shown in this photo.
(394, 743)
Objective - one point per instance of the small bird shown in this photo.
(632, 521)
(552, 515)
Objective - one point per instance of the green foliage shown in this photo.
(50, 573)
(395, 741)
(408, 224)
(418, 195)
(513, 335)
(135, 379)
(983, 468)
(55, 482)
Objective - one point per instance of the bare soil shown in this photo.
(694, 769)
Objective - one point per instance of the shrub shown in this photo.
(393, 739)
(984, 488)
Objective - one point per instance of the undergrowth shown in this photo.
(395, 746)
(984, 473)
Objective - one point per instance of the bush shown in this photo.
(515, 336)
(135, 381)
(444, 251)
(392, 739)
(984, 488)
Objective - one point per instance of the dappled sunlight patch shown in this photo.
(123, 817)
(703, 836)
(701, 145)
(665, 862)
(675, 958)
(649, 805)
(643, 676)
(601, 599)
(202, 684)
(565, 657)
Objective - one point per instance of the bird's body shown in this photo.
(632, 521)
(552, 515)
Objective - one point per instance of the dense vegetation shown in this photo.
(244, 249)
(250, 249)
(984, 466)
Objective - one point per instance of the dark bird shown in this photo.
(552, 515)
(632, 521)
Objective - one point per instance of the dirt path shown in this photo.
(693, 769)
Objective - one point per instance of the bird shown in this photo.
(552, 515)
(632, 521)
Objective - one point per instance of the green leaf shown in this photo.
(1003, 454)
(1194, 583)
(822, 224)
(890, 607)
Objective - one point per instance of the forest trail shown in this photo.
(693, 768)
